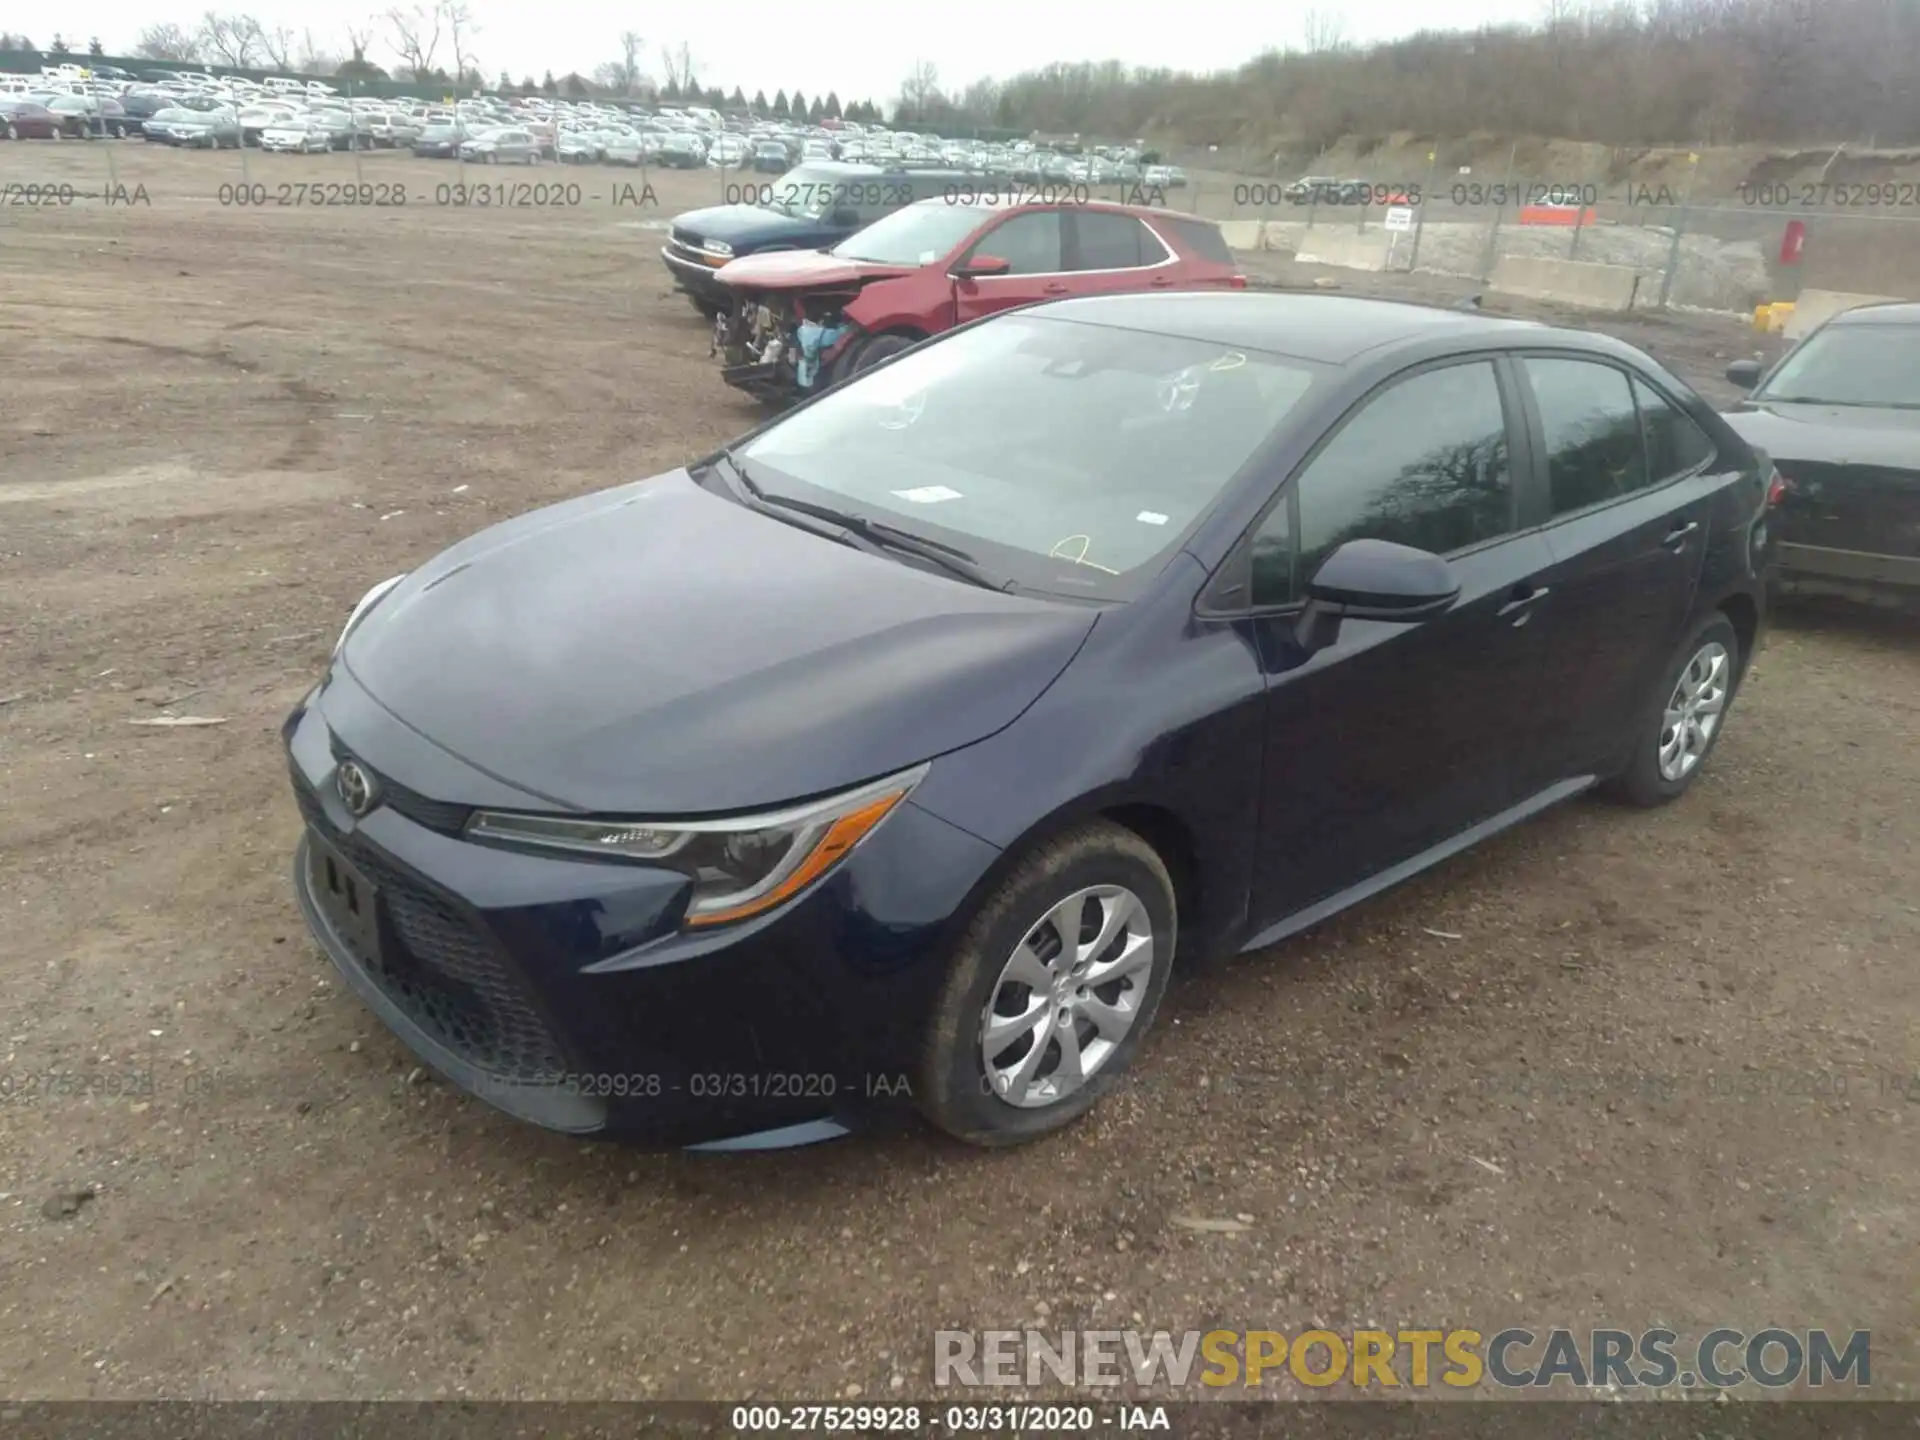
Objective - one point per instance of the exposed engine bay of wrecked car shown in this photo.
(779, 347)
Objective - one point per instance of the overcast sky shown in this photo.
(860, 48)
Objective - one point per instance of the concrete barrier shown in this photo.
(1347, 248)
(1242, 234)
(1814, 308)
(1566, 282)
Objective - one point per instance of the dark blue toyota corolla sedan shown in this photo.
(903, 749)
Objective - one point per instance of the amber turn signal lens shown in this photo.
(841, 836)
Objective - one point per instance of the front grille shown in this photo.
(685, 239)
(449, 978)
(444, 972)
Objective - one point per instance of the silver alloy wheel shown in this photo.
(1694, 710)
(1067, 996)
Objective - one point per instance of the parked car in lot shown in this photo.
(256, 120)
(772, 157)
(682, 150)
(300, 135)
(804, 319)
(28, 120)
(440, 141)
(937, 742)
(198, 129)
(502, 147)
(626, 147)
(91, 116)
(1839, 416)
(577, 147)
(812, 206)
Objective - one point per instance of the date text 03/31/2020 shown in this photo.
(910, 1419)
(457, 194)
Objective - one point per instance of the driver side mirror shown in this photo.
(1374, 580)
(1744, 373)
(981, 265)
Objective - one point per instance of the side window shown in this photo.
(1595, 451)
(1106, 241)
(1424, 464)
(1675, 444)
(1029, 242)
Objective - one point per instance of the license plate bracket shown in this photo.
(349, 900)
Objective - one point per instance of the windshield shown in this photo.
(1852, 365)
(917, 235)
(1106, 445)
(180, 117)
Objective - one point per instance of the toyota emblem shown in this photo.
(355, 787)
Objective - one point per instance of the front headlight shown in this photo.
(367, 601)
(741, 866)
(719, 247)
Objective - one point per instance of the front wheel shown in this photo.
(1051, 989)
(1671, 742)
(880, 347)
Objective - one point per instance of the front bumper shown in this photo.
(563, 992)
(696, 277)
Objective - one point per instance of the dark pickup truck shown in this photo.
(812, 207)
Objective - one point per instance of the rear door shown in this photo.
(1032, 243)
(1624, 487)
(1111, 253)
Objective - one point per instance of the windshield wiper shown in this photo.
(872, 535)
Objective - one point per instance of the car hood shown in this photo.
(743, 225)
(803, 269)
(1832, 434)
(661, 650)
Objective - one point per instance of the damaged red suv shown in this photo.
(804, 319)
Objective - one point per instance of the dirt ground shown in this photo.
(1613, 1068)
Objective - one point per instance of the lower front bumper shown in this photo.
(1859, 575)
(564, 992)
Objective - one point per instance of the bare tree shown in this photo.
(315, 59)
(278, 45)
(358, 39)
(1324, 30)
(167, 41)
(920, 91)
(230, 39)
(626, 71)
(416, 36)
(677, 61)
(461, 29)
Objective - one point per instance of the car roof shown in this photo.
(1331, 329)
(1891, 312)
(988, 199)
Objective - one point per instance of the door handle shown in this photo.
(1520, 603)
(1160, 282)
(1054, 287)
(1677, 537)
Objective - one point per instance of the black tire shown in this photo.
(1642, 783)
(880, 347)
(954, 1090)
(7, 132)
(708, 308)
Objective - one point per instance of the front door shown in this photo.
(1397, 737)
(1030, 241)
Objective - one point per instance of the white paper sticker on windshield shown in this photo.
(928, 494)
(1151, 517)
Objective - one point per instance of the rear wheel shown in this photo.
(1052, 988)
(1674, 737)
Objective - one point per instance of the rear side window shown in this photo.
(1675, 445)
(1106, 241)
(1595, 452)
(1201, 238)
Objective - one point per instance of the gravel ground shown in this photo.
(1613, 1068)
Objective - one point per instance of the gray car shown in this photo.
(500, 147)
